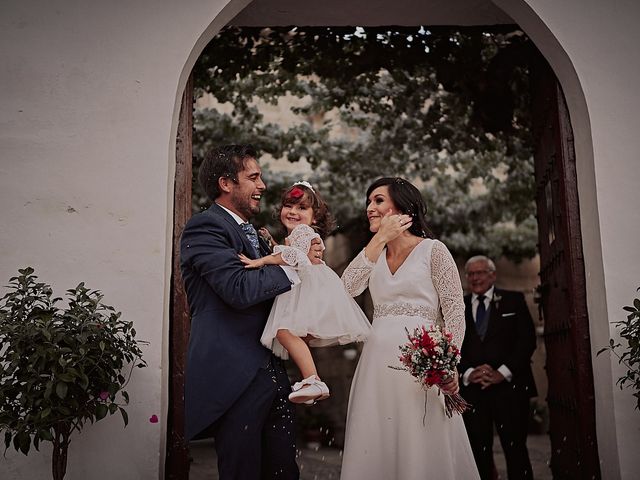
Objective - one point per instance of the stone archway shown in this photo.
(545, 41)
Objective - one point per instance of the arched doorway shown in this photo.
(562, 291)
(582, 319)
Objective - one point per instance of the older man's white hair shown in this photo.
(481, 258)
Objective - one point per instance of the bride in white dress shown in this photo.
(395, 430)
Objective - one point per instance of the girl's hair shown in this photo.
(408, 200)
(324, 222)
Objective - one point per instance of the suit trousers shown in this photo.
(500, 405)
(255, 438)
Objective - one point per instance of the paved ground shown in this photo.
(324, 463)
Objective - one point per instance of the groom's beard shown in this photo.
(245, 205)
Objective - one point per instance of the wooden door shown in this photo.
(574, 452)
(177, 460)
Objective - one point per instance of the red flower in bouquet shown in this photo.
(431, 357)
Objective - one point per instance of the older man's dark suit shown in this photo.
(510, 340)
(234, 385)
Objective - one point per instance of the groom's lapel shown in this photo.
(235, 227)
(264, 246)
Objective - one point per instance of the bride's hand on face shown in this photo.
(392, 225)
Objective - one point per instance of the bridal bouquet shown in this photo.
(431, 357)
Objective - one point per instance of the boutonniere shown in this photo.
(496, 300)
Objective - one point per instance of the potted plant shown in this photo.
(60, 366)
(630, 357)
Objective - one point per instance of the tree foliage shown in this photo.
(60, 367)
(446, 108)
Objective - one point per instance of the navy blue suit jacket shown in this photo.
(229, 308)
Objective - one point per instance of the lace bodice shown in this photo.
(426, 284)
(295, 254)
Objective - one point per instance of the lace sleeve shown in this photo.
(299, 244)
(356, 276)
(446, 280)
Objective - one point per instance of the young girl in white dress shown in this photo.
(317, 312)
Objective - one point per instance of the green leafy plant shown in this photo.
(60, 367)
(630, 356)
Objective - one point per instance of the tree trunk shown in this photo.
(60, 447)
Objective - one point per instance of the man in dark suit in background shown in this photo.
(235, 389)
(495, 370)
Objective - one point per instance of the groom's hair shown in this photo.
(223, 162)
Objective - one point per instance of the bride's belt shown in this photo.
(404, 309)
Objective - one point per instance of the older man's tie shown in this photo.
(481, 317)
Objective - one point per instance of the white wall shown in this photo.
(88, 117)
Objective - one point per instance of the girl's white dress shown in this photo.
(318, 306)
(385, 436)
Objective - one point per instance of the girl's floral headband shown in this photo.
(297, 192)
(304, 183)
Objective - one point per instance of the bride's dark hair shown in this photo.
(408, 200)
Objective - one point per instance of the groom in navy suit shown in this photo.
(235, 390)
(495, 370)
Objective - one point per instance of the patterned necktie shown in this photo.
(481, 317)
(252, 235)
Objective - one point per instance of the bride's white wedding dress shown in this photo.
(390, 433)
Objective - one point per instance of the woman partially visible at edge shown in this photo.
(396, 430)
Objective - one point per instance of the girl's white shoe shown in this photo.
(309, 391)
